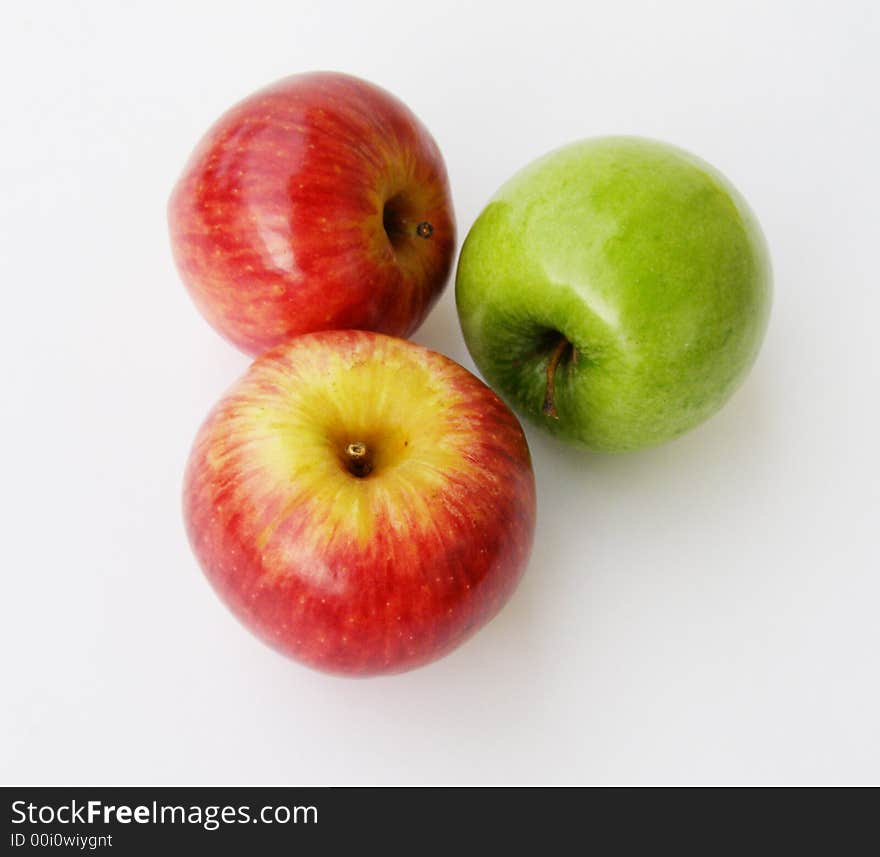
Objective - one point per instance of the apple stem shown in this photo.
(549, 407)
(424, 229)
(357, 459)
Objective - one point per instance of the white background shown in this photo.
(706, 612)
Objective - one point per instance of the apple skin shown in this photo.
(302, 209)
(360, 574)
(649, 264)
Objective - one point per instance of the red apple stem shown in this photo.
(549, 407)
(424, 229)
(357, 459)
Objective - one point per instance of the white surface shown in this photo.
(703, 612)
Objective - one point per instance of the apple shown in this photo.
(615, 291)
(361, 503)
(320, 202)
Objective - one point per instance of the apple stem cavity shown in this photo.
(556, 356)
(400, 223)
(357, 459)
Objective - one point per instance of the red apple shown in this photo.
(361, 503)
(320, 202)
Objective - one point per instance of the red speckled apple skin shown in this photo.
(280, 222)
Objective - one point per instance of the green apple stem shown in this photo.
(357, 459)
(549, 407)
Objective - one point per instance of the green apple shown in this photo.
(615, 291)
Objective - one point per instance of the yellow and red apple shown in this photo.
(320, 202)
(361, 503)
